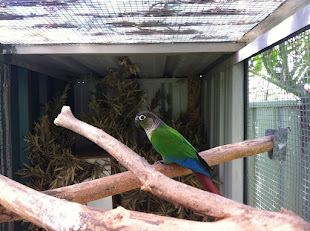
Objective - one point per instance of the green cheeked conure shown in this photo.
(174, 148)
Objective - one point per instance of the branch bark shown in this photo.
(151, 180)
(121, 182)
(158, 184)
(237, 216)
(54, 214)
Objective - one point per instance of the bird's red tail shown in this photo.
(207, 183)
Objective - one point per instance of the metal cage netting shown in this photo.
(279, 96)
(129, 21)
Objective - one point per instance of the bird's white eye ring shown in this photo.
(142, 117)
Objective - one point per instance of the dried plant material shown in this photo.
(112, 107)
(51, 161)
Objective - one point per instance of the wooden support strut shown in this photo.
(230, 214)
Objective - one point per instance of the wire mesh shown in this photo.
(129, 21)
(279, 96)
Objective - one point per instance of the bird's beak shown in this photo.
(137, 122)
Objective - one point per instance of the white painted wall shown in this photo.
(105, 203)
(224, 123)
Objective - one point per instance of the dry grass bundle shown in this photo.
(52, 163)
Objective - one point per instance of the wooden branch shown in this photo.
(152, 180)
(55, 214)
(238, 216)
(121, 182)
(173, 191)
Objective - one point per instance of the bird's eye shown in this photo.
(142, 117)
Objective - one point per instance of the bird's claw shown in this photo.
(161, 162)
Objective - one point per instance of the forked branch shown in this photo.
(232, 215)
(121, 182)
(55, 214)
(158, 184)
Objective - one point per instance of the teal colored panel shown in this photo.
(24, 119)
(33, 96)
(43, 92)
(5, 141)
(14, 115)
(29, 91)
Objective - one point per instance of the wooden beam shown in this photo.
(30, 63)
(126, 49)
(293, 24)
(287, 9)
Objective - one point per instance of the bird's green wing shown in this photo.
(170, 143)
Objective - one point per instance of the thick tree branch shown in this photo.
(162, 186)
(121, 182)
(238, 216)
(151, 180)
(54, 214)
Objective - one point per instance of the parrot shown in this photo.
(174, 148)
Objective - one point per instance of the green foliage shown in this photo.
(285, 65)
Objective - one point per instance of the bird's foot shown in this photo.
(161, 162)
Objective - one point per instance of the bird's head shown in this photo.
(147, 120)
